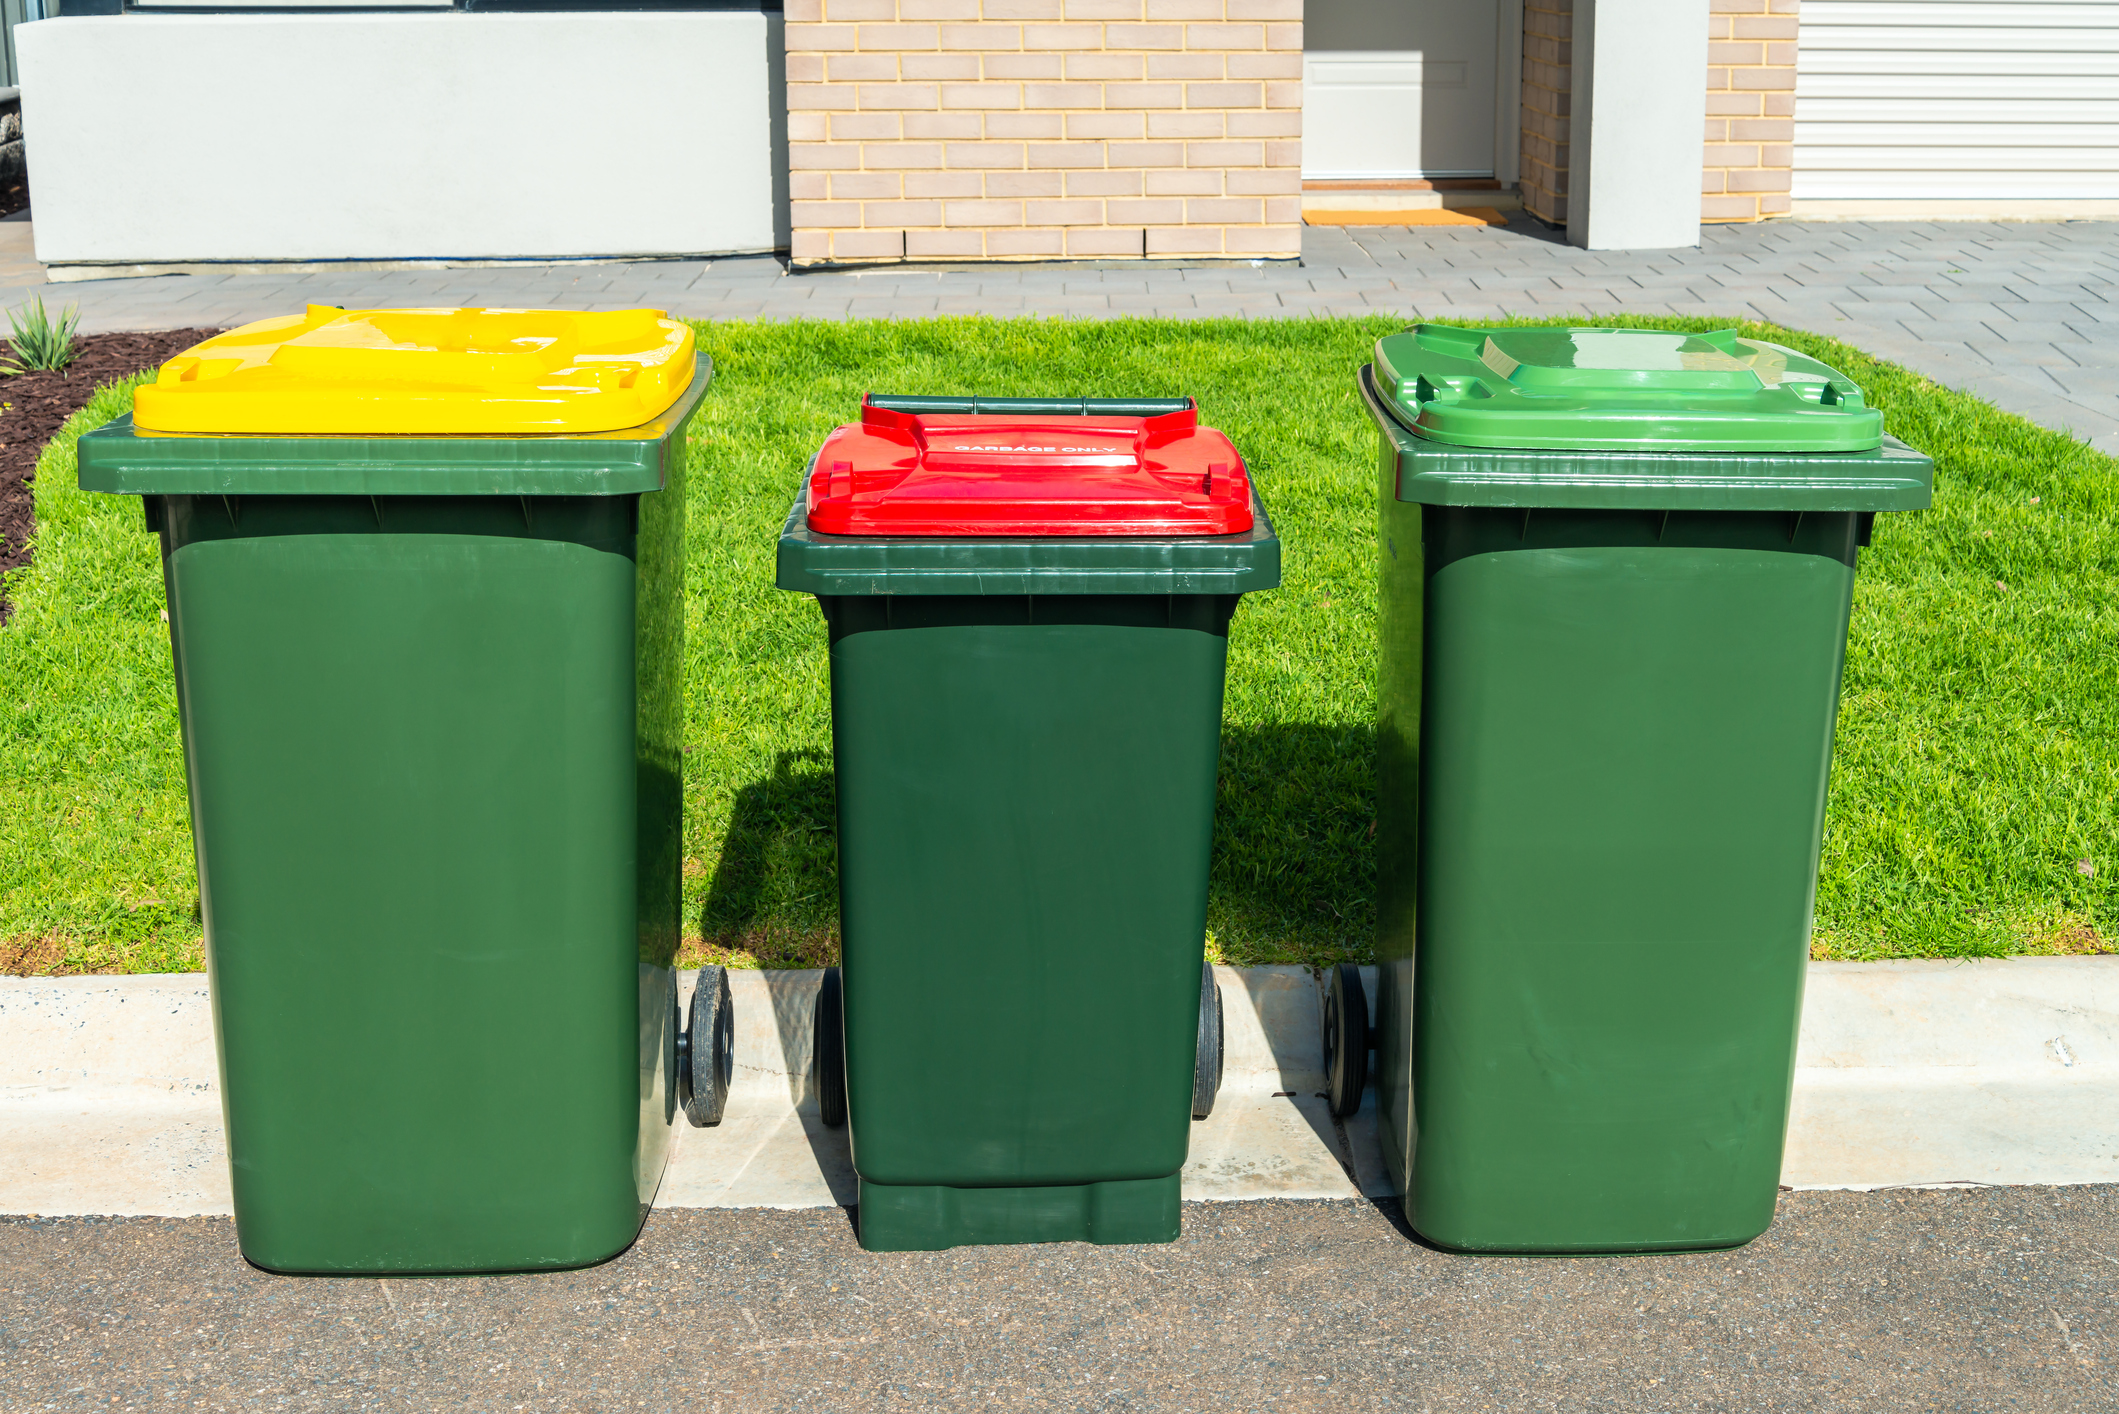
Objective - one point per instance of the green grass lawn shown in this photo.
(1975, 794)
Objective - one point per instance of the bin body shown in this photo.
(1025, 735)
(432, 738)
(1609, 686)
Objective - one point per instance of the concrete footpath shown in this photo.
(1908, 1073)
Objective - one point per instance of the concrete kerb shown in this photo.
(1270, 1134)
(1918, 1074)
(109, 1097)
(1907, 1074)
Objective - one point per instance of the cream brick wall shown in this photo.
(1548, 59)
(1750, 154)
(1035, 129)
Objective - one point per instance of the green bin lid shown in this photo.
(129, 460)
(1643, 390)
(1890, 477)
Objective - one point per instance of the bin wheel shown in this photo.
(828, 1055)
(1206, 1063)
(706, 1050)
(1346, 1039)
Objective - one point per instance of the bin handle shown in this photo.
(1050, 407)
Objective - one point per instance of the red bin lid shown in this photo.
(1023, 466)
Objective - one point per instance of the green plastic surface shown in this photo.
(432, 744)
(1604, 739)
(1620, 390)
(1400, 622)
(912, 1218)
(1026, 798)
(118, 457)
(1097, 564)
(1890, 477)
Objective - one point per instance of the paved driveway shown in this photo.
(2023, 314)
(1959, 1300)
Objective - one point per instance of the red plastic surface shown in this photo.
(959, 474)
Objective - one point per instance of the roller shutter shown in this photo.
(1947, 99)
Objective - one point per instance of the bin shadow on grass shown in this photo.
(775, 889)
(1293, 876)
(1294, 872)
(774, 895)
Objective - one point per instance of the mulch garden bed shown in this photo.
(34, 406)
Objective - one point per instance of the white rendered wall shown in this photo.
(1638, 112)
(186, 138)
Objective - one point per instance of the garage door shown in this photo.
(1958, 99)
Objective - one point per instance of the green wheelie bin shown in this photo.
(424, 575)
(1028, 605)
(1616, 573)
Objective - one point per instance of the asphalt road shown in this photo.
(1961, 1300)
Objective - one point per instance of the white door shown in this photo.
(1398, 88)
(1966, 99)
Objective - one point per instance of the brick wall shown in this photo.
(1750, 154)
(1548, 54)
(1034, 129)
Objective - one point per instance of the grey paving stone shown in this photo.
(1941, 347)
(2023, 354)
(1697, 309)
(981, 304)
(1940, 309)
(1143, 305)
(2041, 331)
(1960, 333)
(1352, 308)
(1464, 313)
(2061, 311)
(2079, 382)
(2069, 416)
(1895, 280)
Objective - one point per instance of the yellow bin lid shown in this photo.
(361, 372)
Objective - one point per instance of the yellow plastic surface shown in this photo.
(428, 372)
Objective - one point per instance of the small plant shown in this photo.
(39, 343)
